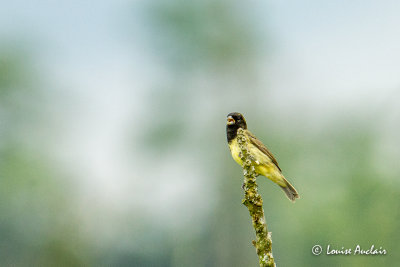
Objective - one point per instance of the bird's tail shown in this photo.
(290, 191)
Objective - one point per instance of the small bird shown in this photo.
(266, 164)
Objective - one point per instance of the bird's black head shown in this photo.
(234, 121)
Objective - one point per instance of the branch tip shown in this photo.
(253, 201)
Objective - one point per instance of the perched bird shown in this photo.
(265, 163)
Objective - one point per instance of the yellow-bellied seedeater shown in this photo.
(265, 163)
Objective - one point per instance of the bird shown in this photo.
(265, 163)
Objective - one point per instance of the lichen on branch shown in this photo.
(253, 201)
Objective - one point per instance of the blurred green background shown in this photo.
(112, 130)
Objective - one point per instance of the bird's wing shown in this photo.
(262, 148)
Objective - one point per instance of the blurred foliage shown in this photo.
(37, 225)
(193, 34)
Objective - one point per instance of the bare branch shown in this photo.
(253, 201)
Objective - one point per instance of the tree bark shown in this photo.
(253, 201)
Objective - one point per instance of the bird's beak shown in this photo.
(230, 120)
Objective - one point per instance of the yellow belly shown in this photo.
(265, 167)
(235, 151)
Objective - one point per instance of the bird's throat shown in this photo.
(231, 132)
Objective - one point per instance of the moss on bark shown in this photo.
(253, 201)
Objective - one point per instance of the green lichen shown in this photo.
(253, 201)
